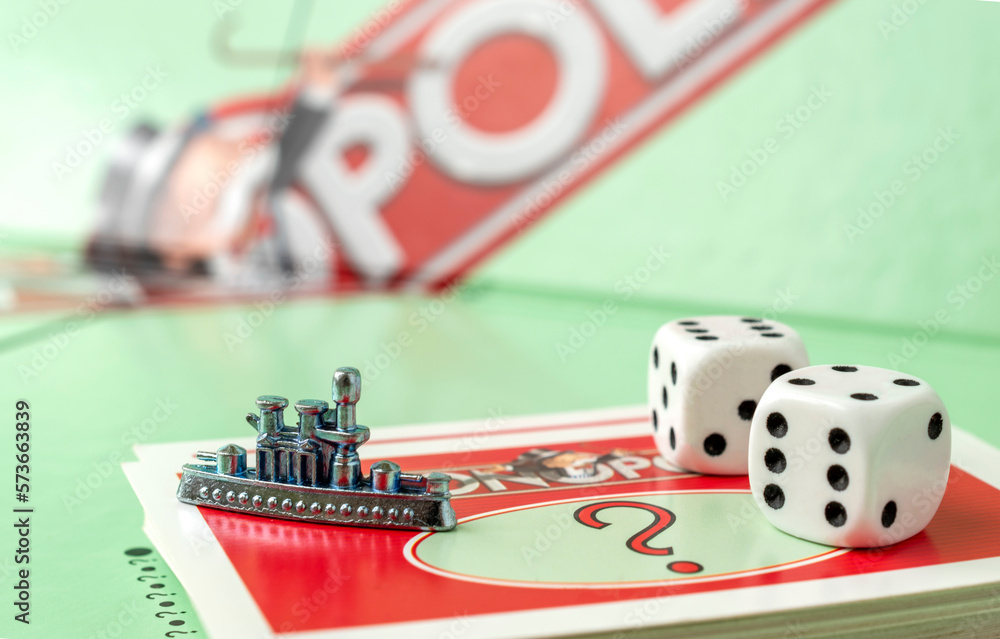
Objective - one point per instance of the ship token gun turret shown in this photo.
(312, 472)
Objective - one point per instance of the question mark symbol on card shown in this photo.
(639, 542)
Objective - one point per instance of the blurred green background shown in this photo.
(914, 288)
(888, 93)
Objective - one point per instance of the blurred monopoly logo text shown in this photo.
(504, 108)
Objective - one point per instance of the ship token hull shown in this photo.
(202, 485)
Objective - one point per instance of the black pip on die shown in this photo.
(706, 375)
(851, 456)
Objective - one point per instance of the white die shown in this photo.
(706, 375)
(852, 456)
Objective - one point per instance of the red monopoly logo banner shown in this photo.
(504, 108)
